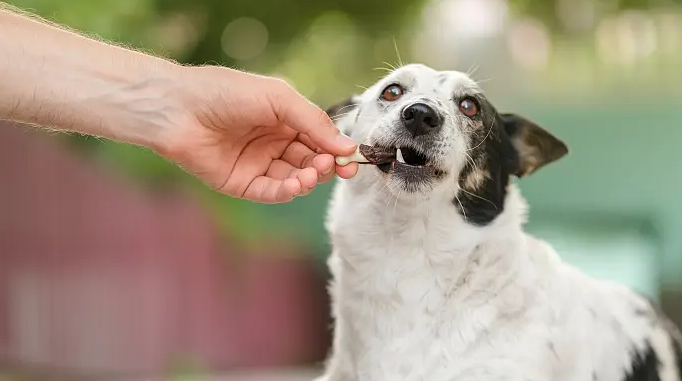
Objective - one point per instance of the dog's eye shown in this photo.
(468, 107)
(392, 93)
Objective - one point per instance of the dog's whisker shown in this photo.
(342, 115)
(369, 118)
(480, 81)
(393, 68)
(395, 205)
(492, 124)
(477, 196)
(472, 70)
(375, 183)
(474, 166)
(386, 185)
(397, 52)
(472, 162)
(464, 214)
(363, 117)
(389, 199)
(345, 107)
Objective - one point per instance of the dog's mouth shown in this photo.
(403, 156)
(398, 159)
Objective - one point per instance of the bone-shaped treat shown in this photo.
(366, 154)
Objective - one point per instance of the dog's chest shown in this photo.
(416, 342)
(411, 303)
(403, 318)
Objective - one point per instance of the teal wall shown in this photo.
(623, 171)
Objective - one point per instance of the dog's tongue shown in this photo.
(366, 154)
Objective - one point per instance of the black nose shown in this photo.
(420, 119)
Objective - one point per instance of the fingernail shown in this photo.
(345, 141)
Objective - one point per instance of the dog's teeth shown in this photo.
(399, 156)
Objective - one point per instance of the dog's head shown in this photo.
(448, 139)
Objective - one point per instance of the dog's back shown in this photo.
(605, 330)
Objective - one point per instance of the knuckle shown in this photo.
(278, 92)
(231, 188)
(282, 87)
(320, 117)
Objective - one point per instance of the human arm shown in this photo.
(245, 135)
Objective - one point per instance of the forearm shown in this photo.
(56, 78)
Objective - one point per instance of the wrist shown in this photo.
(139, 107)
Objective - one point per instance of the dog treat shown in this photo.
(357, 156)
(365, 154)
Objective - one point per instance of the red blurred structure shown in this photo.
(98, 277)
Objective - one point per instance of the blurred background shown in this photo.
(117, 265)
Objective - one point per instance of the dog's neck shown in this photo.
(404, 248)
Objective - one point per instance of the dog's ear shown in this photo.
(347, 105)
(336, 111)
(535, 146)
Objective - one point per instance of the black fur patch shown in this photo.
(502, 145)
(677, 349)
(341, 107)
(492, 161)
(656, 316)
(644, 367)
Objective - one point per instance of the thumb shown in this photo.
(297, 112)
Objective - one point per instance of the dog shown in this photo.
(433, 276)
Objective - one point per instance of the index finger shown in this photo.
(300, 114)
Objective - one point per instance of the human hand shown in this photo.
(253, 137)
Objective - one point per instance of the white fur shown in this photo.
(420, 294)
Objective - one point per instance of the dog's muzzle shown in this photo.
(421, 119)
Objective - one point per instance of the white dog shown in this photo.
(434, 278)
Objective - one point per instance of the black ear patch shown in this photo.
(342, 107)
(535, 146)
(337, 111)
